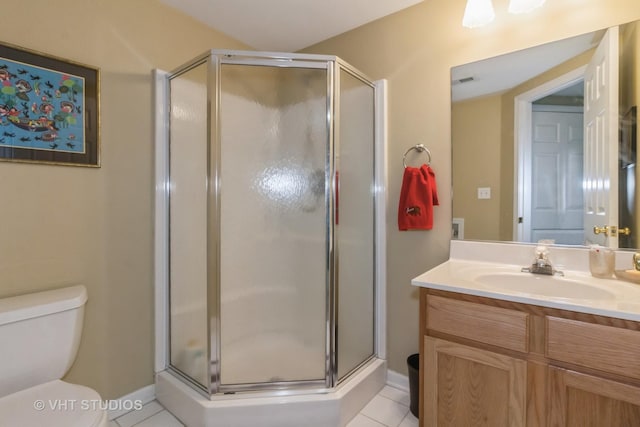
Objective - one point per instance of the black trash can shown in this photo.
(413, 364)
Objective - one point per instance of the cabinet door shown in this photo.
(465, 386)
(581, 400)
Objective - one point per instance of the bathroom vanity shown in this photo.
(500, 347)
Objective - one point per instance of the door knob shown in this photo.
(612, 230)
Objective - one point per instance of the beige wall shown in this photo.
(476, 158)
(414, 49)
(62, 225)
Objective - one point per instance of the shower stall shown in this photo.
(268, 218)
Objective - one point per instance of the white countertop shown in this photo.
(613, 298)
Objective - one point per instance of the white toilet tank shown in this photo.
(39, 334)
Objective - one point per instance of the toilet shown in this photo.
(39, 339)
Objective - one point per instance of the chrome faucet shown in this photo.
(541, 263)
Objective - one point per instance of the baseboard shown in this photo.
(144, 395)
(397, 380)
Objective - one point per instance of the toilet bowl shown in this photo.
(40, 334)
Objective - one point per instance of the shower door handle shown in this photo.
(337, 198)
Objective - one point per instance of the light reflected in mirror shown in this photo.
(524, 132)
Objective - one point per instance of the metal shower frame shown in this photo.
(213, 60)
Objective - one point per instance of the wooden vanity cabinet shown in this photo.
(489, 362)
(599, 385)
(581, 400)
(468, 386)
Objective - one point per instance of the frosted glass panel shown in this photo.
(273, 227)
(188, 223)
(355, 227)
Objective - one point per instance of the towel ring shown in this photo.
(419, 148)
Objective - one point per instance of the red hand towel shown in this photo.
(418, 196)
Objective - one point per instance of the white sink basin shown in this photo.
(542, 285)
(493, 270)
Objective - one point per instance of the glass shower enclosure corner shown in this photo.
(271, 222)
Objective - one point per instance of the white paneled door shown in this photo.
(556, 184)
(601, 147)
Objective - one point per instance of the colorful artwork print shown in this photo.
(49, 109)
(41, 109)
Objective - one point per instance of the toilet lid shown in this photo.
(53, 404)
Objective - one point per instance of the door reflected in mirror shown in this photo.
(551, 131)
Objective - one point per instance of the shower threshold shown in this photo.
(334, 408)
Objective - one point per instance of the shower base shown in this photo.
(331, 409)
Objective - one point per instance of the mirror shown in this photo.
(528, 163)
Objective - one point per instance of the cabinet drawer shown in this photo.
(605, 348)
(490, 325)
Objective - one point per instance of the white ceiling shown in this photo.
(286, 25)
(290, 25)
(501, 73)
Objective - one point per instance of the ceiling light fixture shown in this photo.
(524, 6)
(478, 13)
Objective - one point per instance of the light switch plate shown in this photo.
(484, 192)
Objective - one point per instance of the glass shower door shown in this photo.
(188, 223)
(273, 138)
(355, 231)
(271, 221)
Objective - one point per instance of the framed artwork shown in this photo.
(628, 138)
(49, 109)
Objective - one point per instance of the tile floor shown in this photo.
(389, 408)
